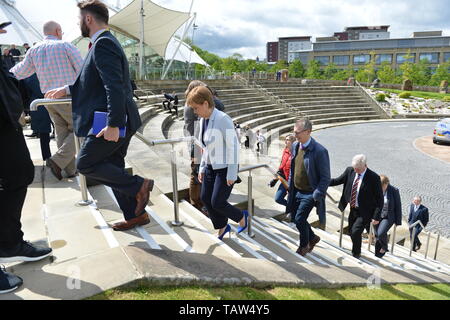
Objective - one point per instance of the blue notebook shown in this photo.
(100, 122)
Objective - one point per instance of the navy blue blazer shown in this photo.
(317, 164)
(421, 214)
(104, 85)
(394, 207)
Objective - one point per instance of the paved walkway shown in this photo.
(436, 151)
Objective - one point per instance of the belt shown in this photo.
(303, 191)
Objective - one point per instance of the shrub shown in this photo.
(388, 95)
(404, 95)
(446, 99)
(380, 97)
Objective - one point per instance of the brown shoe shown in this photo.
(313, 242)
(143, 195)
(130, 224)
(303, 251)
(54, 168)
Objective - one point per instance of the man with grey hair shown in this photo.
(308, 182)
(417, 211)
(56, 63)
(362, 189)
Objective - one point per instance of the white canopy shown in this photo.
(160, 24)
(184, 54)
(20, 31)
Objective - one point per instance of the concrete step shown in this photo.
(249, 114)
(337, 104)
(337, 111)
(255, 110)
(346, 100)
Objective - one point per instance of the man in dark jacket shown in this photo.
(103, 85)
(417, 211)
(362, 189)
(16, 173)
(308, 182)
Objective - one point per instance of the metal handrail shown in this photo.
(176, 222)
(83, 186)
(250, 192)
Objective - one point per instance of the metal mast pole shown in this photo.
(141, 46)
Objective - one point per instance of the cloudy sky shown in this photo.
(245, 26)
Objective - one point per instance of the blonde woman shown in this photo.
(219, 163)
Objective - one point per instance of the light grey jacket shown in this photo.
(221, 146)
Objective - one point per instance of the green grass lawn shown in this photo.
(420, 94)
(386, 292)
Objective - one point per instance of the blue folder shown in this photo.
(100, 122)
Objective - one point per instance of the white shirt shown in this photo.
(359, 185)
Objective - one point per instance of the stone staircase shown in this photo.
(191, 254)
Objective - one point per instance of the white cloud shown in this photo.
(245, 26)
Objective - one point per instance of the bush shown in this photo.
(380, 97)
(404, 95)
(446, 99)
(388, 95)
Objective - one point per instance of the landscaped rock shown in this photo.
(407, 85)
(443, 87)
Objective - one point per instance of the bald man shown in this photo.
(56, 63)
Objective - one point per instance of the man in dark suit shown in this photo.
(417, 211)
(362, 189)
(104, 85)
(308, 182)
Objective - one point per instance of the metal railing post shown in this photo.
(412, 241)
(342, 228)
(428, 244)
(173, 159)
(437, 245)
(250, 204)
(393, 239)
(371, 233)
(82, 179)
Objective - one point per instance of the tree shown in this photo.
(421, 73)
(329, 71)
(386, 74)
(313, 70)
(343, 74)
(281, 64)
(442, 73)
(368, 73)
(407, 67)
(296, 69)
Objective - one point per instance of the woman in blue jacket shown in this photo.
(391, 213)
(219, 164)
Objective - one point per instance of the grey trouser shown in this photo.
(61, 115)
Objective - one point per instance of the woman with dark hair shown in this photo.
(391, 213)
(219, 162)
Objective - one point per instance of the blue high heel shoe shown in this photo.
(240, 229)
(227, 229)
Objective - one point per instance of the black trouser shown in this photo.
(45, 145)
(215, 193)
(16, 173)
(416, 242)
(103, 161)
(356, 225)
(11, 208)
